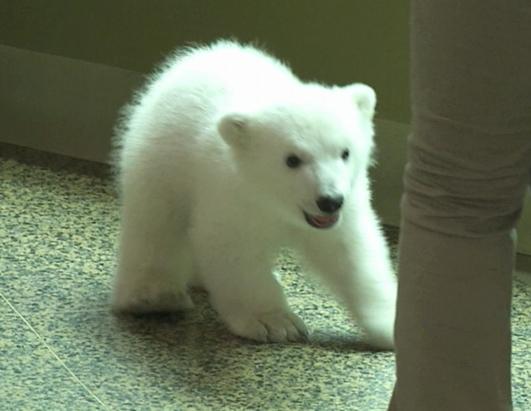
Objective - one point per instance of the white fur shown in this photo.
(208, 198)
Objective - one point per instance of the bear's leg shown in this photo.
(154, 259)
(243, 290)
(354, 261)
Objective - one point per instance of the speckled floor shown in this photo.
(60, 348)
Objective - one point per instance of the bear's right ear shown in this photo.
(364, 97)
(234, 128)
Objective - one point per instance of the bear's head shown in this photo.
(302, 154)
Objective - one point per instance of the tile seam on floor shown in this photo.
(54, 354)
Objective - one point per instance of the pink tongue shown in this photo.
(323, 220)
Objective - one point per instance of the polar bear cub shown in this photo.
(225, 158)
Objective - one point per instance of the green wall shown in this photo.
(67, 66)
(336, 41)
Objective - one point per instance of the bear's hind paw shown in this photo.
(153, 303)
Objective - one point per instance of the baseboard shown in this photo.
(386, 175)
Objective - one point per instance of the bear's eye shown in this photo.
(345, 154)
(293, 161)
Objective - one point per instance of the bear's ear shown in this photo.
(364, 97)
(234, 128)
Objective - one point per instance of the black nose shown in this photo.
(330, 204)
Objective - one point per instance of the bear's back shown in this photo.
(223, 76)
(182, 103)
(232, 65)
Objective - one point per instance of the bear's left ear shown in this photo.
(234, 128)
(364, 97)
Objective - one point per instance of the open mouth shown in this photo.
(321, 221)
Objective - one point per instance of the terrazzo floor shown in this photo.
(61, 348)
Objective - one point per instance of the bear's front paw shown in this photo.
(278, 326)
